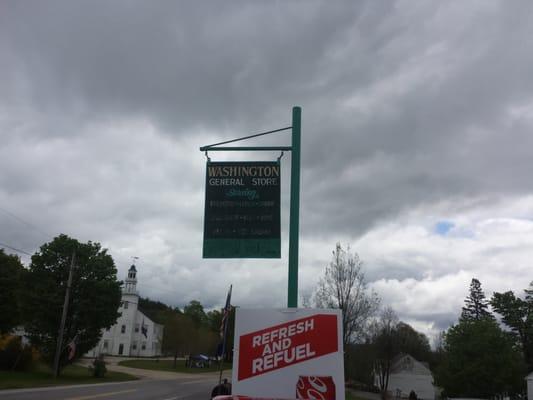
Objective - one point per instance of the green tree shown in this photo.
(517, 314)
(343, 286)
(184, 335)
(195, 311)
(94, 298)
(179, 335)
(214, 320)
(390, 338)
(155, 310)
(476, 305)
(360, 358)
(412, 342)
(11, 275)
(480, 361)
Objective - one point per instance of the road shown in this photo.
(153, 385)
(166, 389)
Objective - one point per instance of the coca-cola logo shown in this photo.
(315, 388)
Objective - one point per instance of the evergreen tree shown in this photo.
(476, 305)
(517, 314)
(479, 359)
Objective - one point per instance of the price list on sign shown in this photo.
(242, 210)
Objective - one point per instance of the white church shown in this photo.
(134, 334)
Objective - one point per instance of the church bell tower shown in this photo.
(130, 284)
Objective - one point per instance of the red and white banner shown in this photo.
(286, 344)
(278, 351)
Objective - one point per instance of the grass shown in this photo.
(41, 375)
(168, 365)
(351, 396)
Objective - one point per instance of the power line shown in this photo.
(21, 220)
(15, 249)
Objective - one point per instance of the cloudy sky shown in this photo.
(417, 139)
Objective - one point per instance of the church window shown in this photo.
(106, 344)
(136, 327)
(125, 304)
(134, 345)
(143, 346)
(123, 329)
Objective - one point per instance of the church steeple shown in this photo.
(130, 286)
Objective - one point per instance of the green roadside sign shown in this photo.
(242, 210)
(242, 213)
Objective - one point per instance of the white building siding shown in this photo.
(405, 382)
(409, 374)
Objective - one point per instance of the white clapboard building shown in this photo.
(134, 334)
(529, 380)
(409, 374)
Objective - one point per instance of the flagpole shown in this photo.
(227, 309)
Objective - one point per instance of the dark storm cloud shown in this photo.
(182, 63)
(406, 105)
(425, 101)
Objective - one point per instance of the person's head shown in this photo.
(225, 381)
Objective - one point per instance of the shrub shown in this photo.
(98, 369)
(14, 355)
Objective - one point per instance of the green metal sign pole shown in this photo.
(294, 223)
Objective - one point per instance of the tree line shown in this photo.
(33, 298)
(191, 330)
(488, 353)
(485, 354)
(373, 335)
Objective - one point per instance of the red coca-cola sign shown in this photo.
(315, 388)
(287, 344)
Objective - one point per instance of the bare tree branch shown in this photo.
(343, 286)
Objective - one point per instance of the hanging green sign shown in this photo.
(242, 210)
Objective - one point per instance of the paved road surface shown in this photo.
(149, 389)
(153, 385)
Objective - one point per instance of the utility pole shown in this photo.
(59, 345)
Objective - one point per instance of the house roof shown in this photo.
(406, 363)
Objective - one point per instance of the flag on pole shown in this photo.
(71, 348)
(224, 332)
(225, 314)
(144, 329)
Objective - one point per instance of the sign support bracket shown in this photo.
(292, 295)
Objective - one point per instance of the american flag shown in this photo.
(71, 348)
(144, 329)
(225, 314)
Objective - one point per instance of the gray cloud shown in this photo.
(408, 107)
